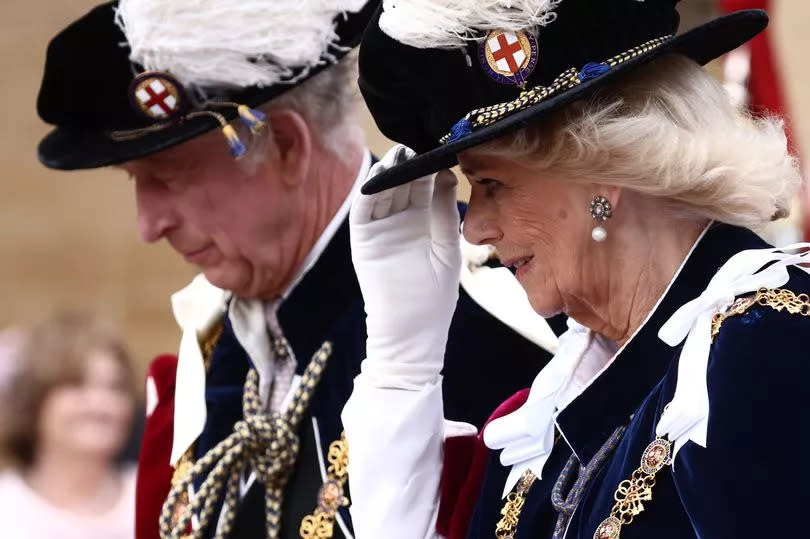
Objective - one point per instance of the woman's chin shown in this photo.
(545, 308)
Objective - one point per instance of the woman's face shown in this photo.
(92, 418)
(539, 224)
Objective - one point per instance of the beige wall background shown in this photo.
(69, 239)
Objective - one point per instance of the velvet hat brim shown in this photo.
(702, 44)
(85, 94)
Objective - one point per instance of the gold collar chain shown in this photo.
(510, 512)
(320, 523)
(632, 493)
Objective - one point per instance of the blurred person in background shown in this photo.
(66, 415)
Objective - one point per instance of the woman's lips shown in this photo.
(522, 267)
(519, 266)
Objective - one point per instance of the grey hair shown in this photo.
(668, 130)
(328, 102)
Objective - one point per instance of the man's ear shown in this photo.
(293, 144)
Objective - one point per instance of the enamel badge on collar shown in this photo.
(508, 57)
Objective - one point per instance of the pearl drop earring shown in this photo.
(601, 211)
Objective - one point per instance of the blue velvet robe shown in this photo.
(750, 481)
(327, 305)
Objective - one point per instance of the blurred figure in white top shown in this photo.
(66, 409)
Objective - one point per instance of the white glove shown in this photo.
(406, 252)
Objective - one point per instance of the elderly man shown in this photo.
(236, 124)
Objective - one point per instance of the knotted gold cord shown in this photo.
(266, 442)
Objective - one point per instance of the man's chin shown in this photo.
(238, 282)
(226, 280)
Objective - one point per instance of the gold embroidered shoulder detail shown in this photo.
(777, 299)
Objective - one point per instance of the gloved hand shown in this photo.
(406, 252)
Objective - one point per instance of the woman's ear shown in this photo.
(293, 144)
(610, 192)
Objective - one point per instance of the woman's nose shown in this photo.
(480, 226)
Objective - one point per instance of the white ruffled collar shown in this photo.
(526, 436)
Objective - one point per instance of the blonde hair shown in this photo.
(667, 130)
(55, 354)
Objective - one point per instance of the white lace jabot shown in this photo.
(526, 436)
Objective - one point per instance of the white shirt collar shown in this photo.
(330, 230)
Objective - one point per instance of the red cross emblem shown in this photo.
(509, 57)
(157, 96)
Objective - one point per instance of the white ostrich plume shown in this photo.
(446, 24)
(208, 44)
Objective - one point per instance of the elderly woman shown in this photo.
(618, 181)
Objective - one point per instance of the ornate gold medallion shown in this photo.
(657, 455)
(631, 493)
(610, 528)
(331, 496)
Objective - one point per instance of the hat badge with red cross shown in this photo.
(508, 56)
(158, 97)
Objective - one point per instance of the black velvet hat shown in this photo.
(89, 92)
(440, 101)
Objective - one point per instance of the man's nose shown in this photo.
(155, 213)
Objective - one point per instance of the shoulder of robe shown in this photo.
(768, 313)
(764, 333)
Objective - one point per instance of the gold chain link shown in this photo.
(631, 494)
(505, 529)
(777, 299)
(320, 523)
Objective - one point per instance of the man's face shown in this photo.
(241, 227)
